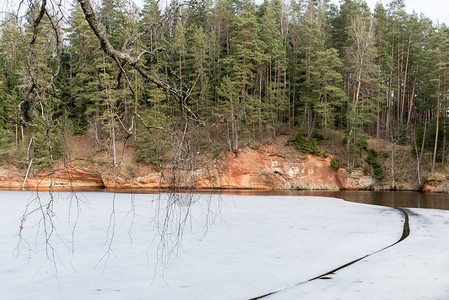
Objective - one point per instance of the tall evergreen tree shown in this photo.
(364, 81)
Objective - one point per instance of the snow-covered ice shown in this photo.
(416, 268)
(232, 247)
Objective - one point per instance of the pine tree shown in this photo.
(180, 47)
(326, 76)
(365, 76)
(313, 39)
(197, 67)
(11, 61)
(244, 58)
(275, 102)
(42, 109)
(229, 110)
(85, 83)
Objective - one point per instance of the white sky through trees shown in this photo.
(436, 10)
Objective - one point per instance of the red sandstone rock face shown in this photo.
(428, 188)
(248, 169)
(354, 180)
(67, 176)
(259, 169)
(70, 176)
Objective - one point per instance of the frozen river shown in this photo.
(142, 246)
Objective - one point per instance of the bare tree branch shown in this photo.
(107, 47)
(37, 21)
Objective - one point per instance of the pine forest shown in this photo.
(171, 80)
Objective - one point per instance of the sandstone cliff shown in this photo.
(275, 166)
(247, 169)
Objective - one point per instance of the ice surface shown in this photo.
(232, 247)
(416, 268)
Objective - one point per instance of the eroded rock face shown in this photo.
(428, 188)
(247, 169)
(354, 180)
(65, 177)
(69, 176)
(260, 169)
(437, 182)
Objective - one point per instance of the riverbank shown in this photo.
(276, 166)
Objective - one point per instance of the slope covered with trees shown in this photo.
(171, 81)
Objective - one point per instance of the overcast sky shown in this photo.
(437, 10)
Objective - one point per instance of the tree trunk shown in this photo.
(438, 125)
(444, 146)
(392, 167)
(405, 77)
(412, 97)
(417, 175)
